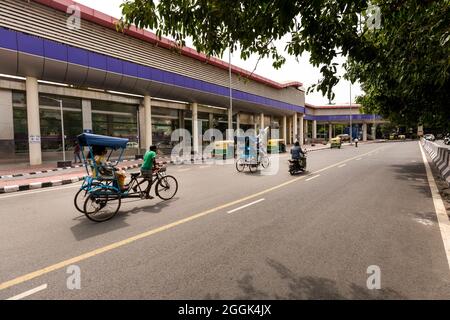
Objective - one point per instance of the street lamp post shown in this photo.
(63, 137)
(351, 126)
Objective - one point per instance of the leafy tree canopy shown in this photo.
(402, 60)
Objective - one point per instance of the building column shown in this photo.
(148, 121)
(364, 130)
(374, 131)
(6, 123)
(314, 129)
(211, 120)
(230, 130)
(330, 131)
(285, 130)
(301, 130)
(238, 121)
(261, 121)
(86, 110)
(306, 128)
(294, 127)
(34, 127)
(194, 108)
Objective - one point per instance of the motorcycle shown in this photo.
(297, 166)
(447, 140)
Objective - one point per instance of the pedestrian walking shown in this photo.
(356, 142)
(76, 152)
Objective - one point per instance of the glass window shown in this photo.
(20, 129)
(115, 119)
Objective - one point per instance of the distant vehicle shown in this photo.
(344, 137)
(336, 143)
(447, 139)
(132, 145)
(429, 137)
(402, 137)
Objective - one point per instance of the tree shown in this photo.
(396, 63)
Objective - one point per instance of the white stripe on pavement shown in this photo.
(439, 207)
(342, 165)
(246, 205)
(28, 293)
(313, 177)
(24, 193)
(358, 159)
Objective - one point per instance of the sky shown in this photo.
(292, 70)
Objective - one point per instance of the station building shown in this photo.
(133, 84)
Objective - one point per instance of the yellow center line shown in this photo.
(149, 233)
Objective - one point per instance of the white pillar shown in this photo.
(294, 127)
(194, 108)
(364, 130)
(86, 110)
(330, 131)
(306, 128)
(374, 131)
(261, 121)
(148, 121)
(6, 123)
(34, 127)
(301, 130)
(285, 130)
(238, 121)
(314, 129)
(230, 131)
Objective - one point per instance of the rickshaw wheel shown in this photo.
(265, 162)
(80, 199)
(166, 187)
(253, 167)
(102, 204)
(240, 165)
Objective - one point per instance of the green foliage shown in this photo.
(403, 66)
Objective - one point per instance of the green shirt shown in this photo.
(148, 160)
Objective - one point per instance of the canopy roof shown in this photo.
(89, 139)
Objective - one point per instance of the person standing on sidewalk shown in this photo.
(77, 152)
(356, 142)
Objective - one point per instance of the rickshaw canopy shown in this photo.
(89, 139)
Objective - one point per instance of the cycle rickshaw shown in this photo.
(100, 195)
(251, 154)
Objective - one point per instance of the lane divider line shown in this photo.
(118, 244)
(28, 293)
(439, 207)
(309, 179)
(247, 205)
(342, 165)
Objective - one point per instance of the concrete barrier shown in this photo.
(440, 156)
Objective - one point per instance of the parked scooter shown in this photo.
(297, 166)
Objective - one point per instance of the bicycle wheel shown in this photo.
(265, 162)
(80, 199)
(166, 187)
(102, 204)
(240, 165)
(253, 167)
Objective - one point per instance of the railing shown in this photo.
(440, 156)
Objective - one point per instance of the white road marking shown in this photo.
(342, 165)
(358, 159)
(313, 177)
(28, 293)
(246, 205)
(24, 193)
(439, 207)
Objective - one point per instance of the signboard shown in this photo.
(34, 139)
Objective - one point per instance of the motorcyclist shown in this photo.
(297, 153)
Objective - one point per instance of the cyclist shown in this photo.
(147, 169)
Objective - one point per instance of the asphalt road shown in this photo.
(312, 236)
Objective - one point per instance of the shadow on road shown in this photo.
(86, 228)
(416, 174)
(307, 288)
